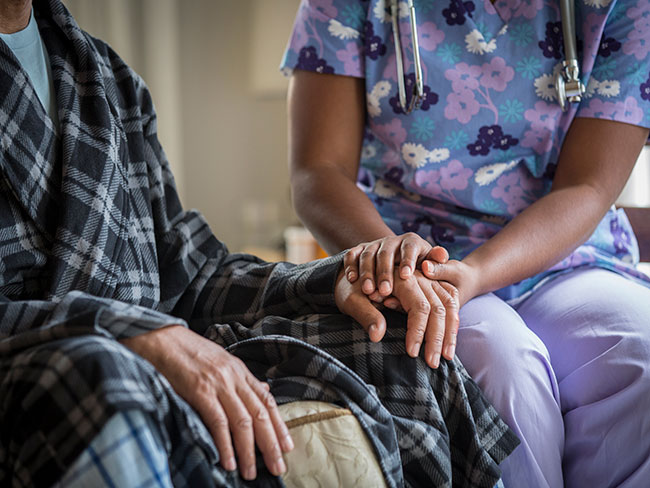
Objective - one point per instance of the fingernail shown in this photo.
(279, 467)
(449, 351)
(352, 276)
(230, 464)
(406, 271)
(415, 350)
(372, 328)
(368, 286)
(249, 473)
(287, 443)
(436, 360)
(384, 287)
(390, 304)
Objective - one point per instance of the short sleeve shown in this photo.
(328, 37)
(618, 87)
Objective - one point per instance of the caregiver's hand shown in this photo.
(236, 407)
(465, 277)
(373, 262)
(431, 306)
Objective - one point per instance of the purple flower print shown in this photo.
(496, 74)
(411, 226)
(527, 8)
(479, 148)
(308, 60)
(442, 235)
(552, 46)
(608, 46)
(638, 39)
(542, 118)
(626, 111)
(430, 36)
(463, 77)
(457, 10)
(491, 136)
(350, 57)
(373, 47)
(455, 176)
(394, 175)
(461, 106)
(645, 89)
(622, 239)
(428, 97)
(326, 7)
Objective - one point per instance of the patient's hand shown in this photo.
(431, 306)
(238, 409)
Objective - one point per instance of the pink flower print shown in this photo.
(626, 111)
(463, 77)
(350, 57)
(429, 182)
(529, 8)
(489, 7)
(505, 8)
(455, 176)
(510, 191)
(461, 106)
(496, 74)
(638, 39)
(430, 36)
(481, 232)
(393, 134)
(542, 118)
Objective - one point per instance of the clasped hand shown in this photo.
(405, 272)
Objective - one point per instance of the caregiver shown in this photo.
(484, 163)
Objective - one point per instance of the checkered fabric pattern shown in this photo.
(95, 247)
(127, 452)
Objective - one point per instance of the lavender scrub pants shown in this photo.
(569, 370)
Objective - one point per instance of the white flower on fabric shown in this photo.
(373, 99)
(598, 3)
(368, 151)
(609, 88)
(503, 30)
(487, 174)
(438, 155)
(592, 87)
(475, 43)
(341, 31)
(380, 11)
(545, 87)
(414, 155)
(384, 189)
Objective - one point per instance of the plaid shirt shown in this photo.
(95, 247)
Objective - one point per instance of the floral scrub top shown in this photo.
(485, 142)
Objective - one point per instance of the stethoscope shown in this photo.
(568, 87)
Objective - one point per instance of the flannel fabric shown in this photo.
(95, 247)
(127, 452)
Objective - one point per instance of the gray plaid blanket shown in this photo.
(94, 247)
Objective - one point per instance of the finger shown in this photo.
(438, 271)
(385, 262)
(452, 320)
(361, 309)
(350, 262)
(266, 437)
(393, 303)
(417, 307)
(435, 333)
(438, 254)
(367, 268)
(216, 420)
(263, 392)
(412, 249)
(241, 428)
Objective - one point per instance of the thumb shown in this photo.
(361, 309)
(438, 254)
(436, 271)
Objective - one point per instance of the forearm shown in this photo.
(334, 209)
(542, 235)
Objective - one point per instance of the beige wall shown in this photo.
(225, 135)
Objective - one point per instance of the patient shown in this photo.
(129, 334)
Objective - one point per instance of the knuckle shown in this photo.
(438, 310)
(261, 414)
(268, 400)
(244, 422)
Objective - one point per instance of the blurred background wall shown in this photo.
(212, 67)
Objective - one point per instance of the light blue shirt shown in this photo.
(28, 47)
